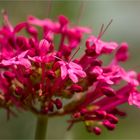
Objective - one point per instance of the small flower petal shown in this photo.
(63, 71)
(72, 76)
(75, 66)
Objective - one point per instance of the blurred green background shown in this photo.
(125, 27)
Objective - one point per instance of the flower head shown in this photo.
(33, 72)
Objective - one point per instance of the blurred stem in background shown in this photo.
(41, 127)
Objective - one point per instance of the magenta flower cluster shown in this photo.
(38, 73)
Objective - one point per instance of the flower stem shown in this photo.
(41, 127)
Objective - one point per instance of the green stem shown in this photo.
(41, 127)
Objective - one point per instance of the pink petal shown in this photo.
(36, 21)
(75, 66)
(101, 46)
(25, 62)
(44, 46)
(43, 23)
(97, 70)
(105, 79)
(98, 46)
(63, 71)
(80, 73)
(84, 30)
(61, 63)
(72, 76)
(108, 47)
(23, 54)
(134, 99)
(7, 62)
(35, 59)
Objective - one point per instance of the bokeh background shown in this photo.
(125, 27)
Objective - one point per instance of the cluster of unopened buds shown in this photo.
(41, 75)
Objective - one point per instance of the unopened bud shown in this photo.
(118, 112)
(9, 74)
(108, 125)
(76, 88)
(63, 20)
(50, 74)
(108, 91)
(96, 62)
(83, 111)
(32, 30)
(77, 115)
(21, 42)
(100, 114)
(122, 53)
(58, 103)
(97, 130)
(44, 46)
(112, 118)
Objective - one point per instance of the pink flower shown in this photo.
(18, 60)
(134, 99)
(42, 59)
(130, 77)
(98, 46)
(71, 69)
(75, 34)
(54, 26)
(109, 75)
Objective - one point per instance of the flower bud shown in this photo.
(32, 30)
(108, 125)
(77, 115)
(113, 119)
(118, 112)
(76, 88)
(44, 46)
(90, 52)
(63, 20)
(83, 111)
(11, 41)
(90, 45)
(96, 62)
(32, 42)
(100, 114)
(21, 42)
(50, 74)
(97, 130)
(122, 53)
(58, 103)
(9, 75)
(108, 91)
(122, 114)
(20, 26)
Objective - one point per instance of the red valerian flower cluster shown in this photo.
(39, 74)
